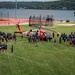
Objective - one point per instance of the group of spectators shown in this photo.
(3, 47)
(64, 37)
(4, 38)
(7, 37)
(35, 36)
(70, 38)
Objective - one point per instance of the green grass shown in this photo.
(45, 59)
(64, 29)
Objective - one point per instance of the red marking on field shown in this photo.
(12, 21)
(6, 21)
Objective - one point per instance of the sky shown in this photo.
(28, 0)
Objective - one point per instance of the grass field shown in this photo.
(43, 59)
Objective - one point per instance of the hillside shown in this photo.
(55, 5)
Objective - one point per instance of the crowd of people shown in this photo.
(65, 38)
(7, 37)
(4, 38)
(70, 38)
(3, 47)
(35, 36)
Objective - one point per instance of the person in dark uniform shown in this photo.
(54, 41)
(60, 40)
(14, 37)
(12, 48)
(53, 34)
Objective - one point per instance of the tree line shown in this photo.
(54, 5)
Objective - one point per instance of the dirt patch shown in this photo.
(65, 24)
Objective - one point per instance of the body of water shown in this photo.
(25, 13)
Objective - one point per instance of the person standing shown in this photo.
(53, 34)
(14, 37)
(60, 39)
(12, 48)
(22, 36)
(54, 41)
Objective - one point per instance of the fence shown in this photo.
(39, 20)
(4, 15)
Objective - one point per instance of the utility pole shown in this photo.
(8, 16)
(1, 15)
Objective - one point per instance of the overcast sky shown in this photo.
(28, 0)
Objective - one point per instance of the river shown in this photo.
(25, 13)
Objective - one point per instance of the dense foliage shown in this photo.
(60, 4)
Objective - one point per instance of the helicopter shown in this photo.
(43, 35)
